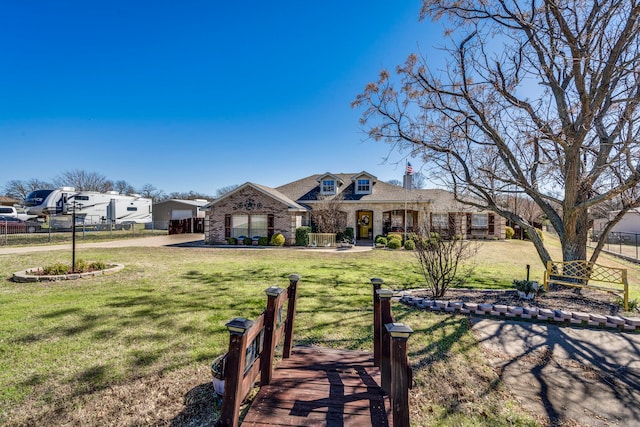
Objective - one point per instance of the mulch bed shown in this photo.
(561, 298)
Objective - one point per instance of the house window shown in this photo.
(251, 226)
(439, 220)
(328, 186)
(479, 221)
(258, 225)
(363, 186)
(240, 225)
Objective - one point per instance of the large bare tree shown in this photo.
(537, 98)
(19, 189)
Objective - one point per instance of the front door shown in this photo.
(365, 225)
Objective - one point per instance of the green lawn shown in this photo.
(62, 344)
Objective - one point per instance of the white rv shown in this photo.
(91, 208)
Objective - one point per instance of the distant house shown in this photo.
(8, 201)
(630, 223)
(371, 208)
(176, 209)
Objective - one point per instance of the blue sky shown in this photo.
(197, 95)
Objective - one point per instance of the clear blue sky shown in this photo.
(197, 95)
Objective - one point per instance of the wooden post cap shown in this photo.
(273, 291)
(239, 325)
(376, 281)
(398, 330)
(384, 293)
(294, 277)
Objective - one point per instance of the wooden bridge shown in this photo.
(314, 386)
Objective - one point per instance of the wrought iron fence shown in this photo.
(627, 244)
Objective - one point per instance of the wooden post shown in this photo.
(401, 376)
(291, 315)
(384, 295)
(377, 322)
(234, 372)
(270, 327)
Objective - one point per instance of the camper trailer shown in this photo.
(91, 208)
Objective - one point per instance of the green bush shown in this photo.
(263, 241)
(509, 232)
(409, 245)
(394, 243)
(395, 236)
(381, 240)
(379, 236)
(97, 265)
(349, 234)
(247, 241)
(302, 235)
(81, 266)
(277, 240)
(232, 241)
(56, 269)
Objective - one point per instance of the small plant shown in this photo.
(97, 265)
(526, 288)
(81, 266)
(232, 241)
(302, 235)
(263, 241)
(381, 240)
(247, 241)
(395, 236)
(409, 245)
(634, 305)
(56, 269)
(509, 232)
(394, 243)
(277, 240)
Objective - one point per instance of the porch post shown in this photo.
(377, 321)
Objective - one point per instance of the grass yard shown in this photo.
(134, 348)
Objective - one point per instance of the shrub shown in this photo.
(302, 235)
(56, 269)
(247, 241)
(97, 265)
(394, 243)
(277, 240)
(349, 234)
(509, 232)
(81, 266)
(395, 236)
(232, 241)
(409, 245)
(263, 241)
(381, 240)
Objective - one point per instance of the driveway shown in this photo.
(571, 375)
(153, 241)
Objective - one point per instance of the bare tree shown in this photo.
(440, 261)
(18, 189)
(224, 190)
(151, 192)
(83, 181)
(123, 187)
(327, 214)
(537, 97)
(395, 182)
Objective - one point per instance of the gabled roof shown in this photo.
(198, 203)
(271, 192)
(373, 178)
(332, 176)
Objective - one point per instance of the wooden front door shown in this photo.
(365, 225)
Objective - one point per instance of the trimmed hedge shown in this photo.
(302, 235)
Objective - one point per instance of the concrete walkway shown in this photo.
(587, 375)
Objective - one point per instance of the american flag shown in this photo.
(409, 169)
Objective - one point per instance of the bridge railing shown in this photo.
(390, 354)
(252, 346)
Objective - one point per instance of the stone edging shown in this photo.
(28, 276)
(525, 313)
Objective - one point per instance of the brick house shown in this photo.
(371, 208)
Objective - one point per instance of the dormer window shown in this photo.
(328, 186)
(363, 186)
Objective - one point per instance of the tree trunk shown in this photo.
(574, 238)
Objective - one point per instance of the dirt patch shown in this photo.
(179, 398)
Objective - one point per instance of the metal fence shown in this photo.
(626, 244)
(41, 233)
